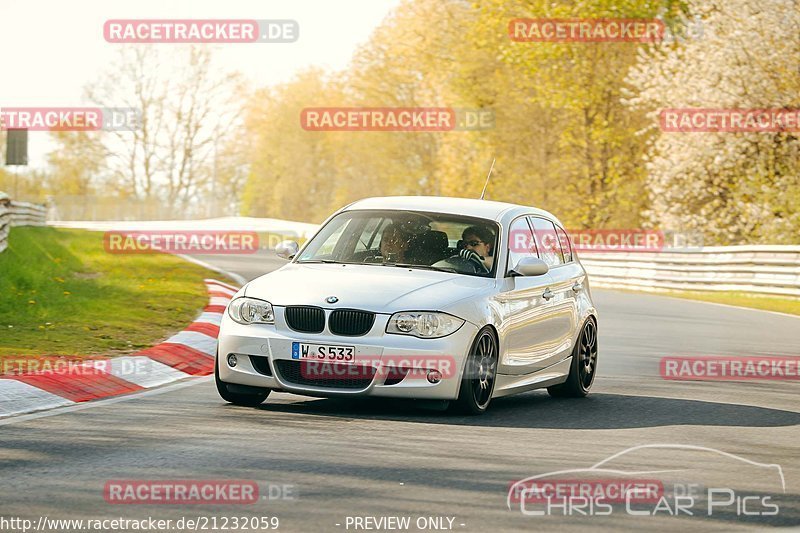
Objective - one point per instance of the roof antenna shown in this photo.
(483, 193)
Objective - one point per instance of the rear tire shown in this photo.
(245, 400)
(583, 367)
(477, 382)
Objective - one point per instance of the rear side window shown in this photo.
(547, 241)
(566, 245)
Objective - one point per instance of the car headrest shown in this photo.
(435, 240)
(429, 247)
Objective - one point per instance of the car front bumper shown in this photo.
(383, 351)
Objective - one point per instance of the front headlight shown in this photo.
(251, 311)
(423, 324)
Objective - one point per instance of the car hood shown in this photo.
(381, 289)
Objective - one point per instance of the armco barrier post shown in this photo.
(5, 220)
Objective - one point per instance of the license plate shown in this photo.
(323, 352)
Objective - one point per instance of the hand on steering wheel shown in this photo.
(474, 258)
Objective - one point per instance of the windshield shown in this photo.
(412, 239)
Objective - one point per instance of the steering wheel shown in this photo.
(462, 265)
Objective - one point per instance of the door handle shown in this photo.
(578, 287)
(547, 294)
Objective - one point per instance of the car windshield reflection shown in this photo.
(407, 239)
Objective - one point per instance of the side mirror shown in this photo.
(287, 249)
(530, 266)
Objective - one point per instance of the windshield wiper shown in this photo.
(328, 261)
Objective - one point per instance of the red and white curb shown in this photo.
(188, 353)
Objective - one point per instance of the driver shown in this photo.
(394, 244)
(478, 244)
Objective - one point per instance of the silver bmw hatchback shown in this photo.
(428, 298)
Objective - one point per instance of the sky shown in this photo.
(50, 49)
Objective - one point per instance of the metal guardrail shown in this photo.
(26, 214)
(18, 214)
(760, 269)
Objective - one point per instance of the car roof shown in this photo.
(499, 211)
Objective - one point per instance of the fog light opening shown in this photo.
(232, 360)
(434, 376)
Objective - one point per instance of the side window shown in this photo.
(566, 245)
(520, 242)
(547, 241)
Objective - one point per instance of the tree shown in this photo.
(292, 171)
(734, 187)
(186, 109)
(135, 84)
(563, 137)
(75, 162)
(201, 111)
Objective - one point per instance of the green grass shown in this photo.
(740, 299)
(63, 294)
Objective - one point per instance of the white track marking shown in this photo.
(102, 403)
(18, 397)
(198, 341)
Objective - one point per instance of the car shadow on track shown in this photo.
(536, 409)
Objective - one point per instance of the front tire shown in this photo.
(245, 400)
(477, 382)
(583, 367)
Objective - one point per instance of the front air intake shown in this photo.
(261, 364)
(351, 322)
(305, 319)
(327, 375)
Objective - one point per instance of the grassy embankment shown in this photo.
(63, 294)
(739, 299)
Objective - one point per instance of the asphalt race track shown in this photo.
(320, 461)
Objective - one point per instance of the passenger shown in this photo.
(478, 247)
(394, 244)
